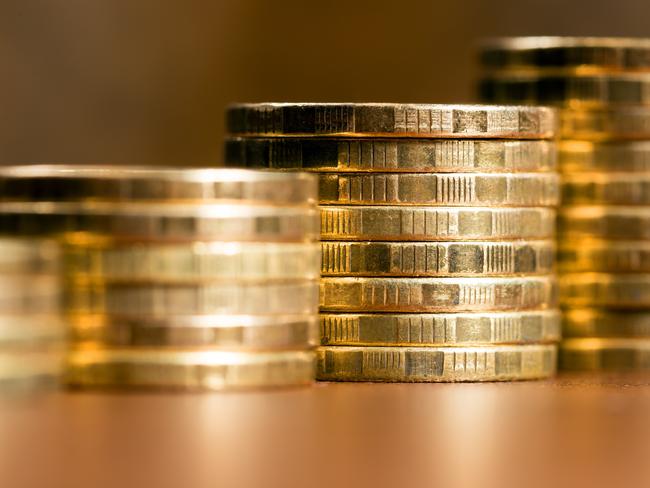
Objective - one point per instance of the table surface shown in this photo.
(572, 431)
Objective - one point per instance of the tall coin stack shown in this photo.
(437, 226)
(192, 279)
(603, 88)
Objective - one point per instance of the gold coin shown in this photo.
(168, 222)
(392, 155)
(435, 364)
(605, 123)
(457, 189)
(437, 259)
(605, 354)
(605, 290)
(440, 329)
(391, 119)
(605, 157)
(579, 91)
(29, 256)
(32, 294)
(28, 329)
(605, 256)
(195, 261)
(161, 299)
(248, 332)
(629, 223)
(61, 183)
(589, 322)
(188, 370)
(435, 224)
(436, 294)
(577, 54)
(606, 189)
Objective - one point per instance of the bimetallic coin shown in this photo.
(605, 354)
(437, 259)
(605, 290)
(606, 189)
(604, 256)
(435, 364)
(270, 332)
(605, 123)
(436, 294)
(620, 223)
(195, 261)
(604, 157)
(527, 189)
(31, 329)
(577, 54)
(435, 224)
(29, 256)
(164, 222)
(440, 329)
(391, 119)
(187, 370)
(589, 322)
(160, 299)
(574, 91)
(61, 183)
(392, 155)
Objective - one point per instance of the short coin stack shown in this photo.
(192, 279)
(437, 226)
(603, 88)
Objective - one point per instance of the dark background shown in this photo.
(143, 81)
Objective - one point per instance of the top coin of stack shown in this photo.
(603, 88)
(437, 225)
(178, 278)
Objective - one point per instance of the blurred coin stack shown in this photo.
(178, 278)
(602, 86)
(437, 228)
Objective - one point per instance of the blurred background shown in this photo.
(123, 81)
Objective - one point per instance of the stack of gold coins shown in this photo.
(178, 278)
(437, 226)
(603, 88)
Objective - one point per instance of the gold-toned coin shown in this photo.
(32, 294)
(457, 189)
(606, 189)
(188, 370)
(435, 224)
(163, 222)
(437, 259)
(266, 332)
(28, 329)
(621, 223)
(605, 354)
(590, 322)
(29, 256)
(605, 256)
(390, 120)
(61, 183)
(605, 290)
(195, 261)
(576, 54)
(435, 364)
(436, 294)
(160, 299)
(392, 155)
(605, 157)
(579, 91)
(605, 123)
(410, 329)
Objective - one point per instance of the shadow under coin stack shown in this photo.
(179, 278)
(437, 226)
(603, 88)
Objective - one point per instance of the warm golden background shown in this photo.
(143, 81)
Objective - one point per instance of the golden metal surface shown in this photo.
(604, 157)
(27, 365)
(440, 329)
(29, 256)
(605, 123)
(605, 290)
(35, 294)
(601, 222)
(605, 354)
(31, 329)
(428, 364)
(437, 259)
(604, 256)
(591, 322)
(606, 189)
(391, 119)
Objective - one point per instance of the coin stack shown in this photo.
(192, 279)
(602, 86)
(437, 226)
